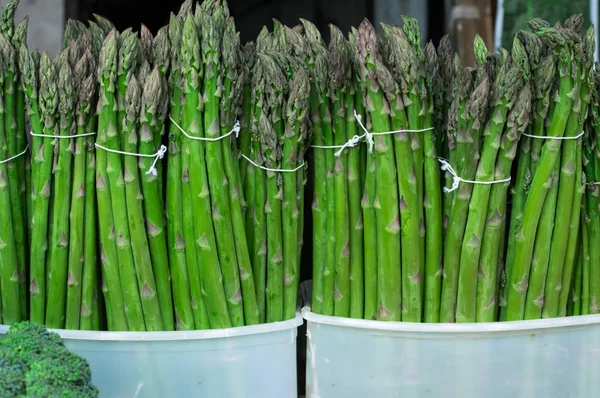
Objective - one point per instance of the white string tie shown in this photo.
(158, 155)
(369, 136)
(273, 170)
(547, 137)
(456, 179)
(61, 136)
(235, 130)
(16, 156)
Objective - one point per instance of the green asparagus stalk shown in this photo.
(154, 101)
(330, 203)
(433, 199)
(43, 148)
(456, 206)
(256, 179)
(15, 146)
(386, 199)
(135, 215)
(17, 143)
(85, 89)
(110, 174)
(357, 285)
(194, 172)
(407, 183)
(247, 58)
(339, 64)
(182, 297)
(319, 204)
(585, 248)
(577, 288)
(112, 273)
(212, 34)
(270, 127)
(9, 278)
(541, 250)
(232, 90)
(90, 308)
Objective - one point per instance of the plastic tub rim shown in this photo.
(452, 328)
(240, 331)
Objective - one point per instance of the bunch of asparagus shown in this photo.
(14, 237)
(542, 252)
(132, 108)
(64, 280)
(273, 143)
(379, 259)
(337, 215)
(584, 290)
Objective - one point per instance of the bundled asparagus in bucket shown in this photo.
(13, 158)
(275, 158)
(548, 234)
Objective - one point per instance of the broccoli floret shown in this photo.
(39, 365)
(12, 378)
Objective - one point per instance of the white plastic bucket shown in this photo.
(530, 359)
(248, 362)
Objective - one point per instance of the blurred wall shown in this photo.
(46, 21)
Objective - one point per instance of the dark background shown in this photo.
(250, 15)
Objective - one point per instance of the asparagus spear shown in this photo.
(110, 174)
(9, 278)
(154, 101)
(42, 172)
(357, 285)
(541, 251)
(135, 219)
(585, 248)
(591, 297)
(407, 183)
(212, 34)
(194, 171)
(15, 145)
(338, 66)
(433, 199)
(90, 309)
(270, 127)
(472, 119)
(84, 86)
(386, 199)
(112, 273)
(182, 298)
(256, 219)
(232, 90)
(317, 69)
(23, 164)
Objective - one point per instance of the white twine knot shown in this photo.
(456, 179)
(367, 135)
(158, 155)
(351, 143)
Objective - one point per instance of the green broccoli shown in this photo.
(35, 363)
